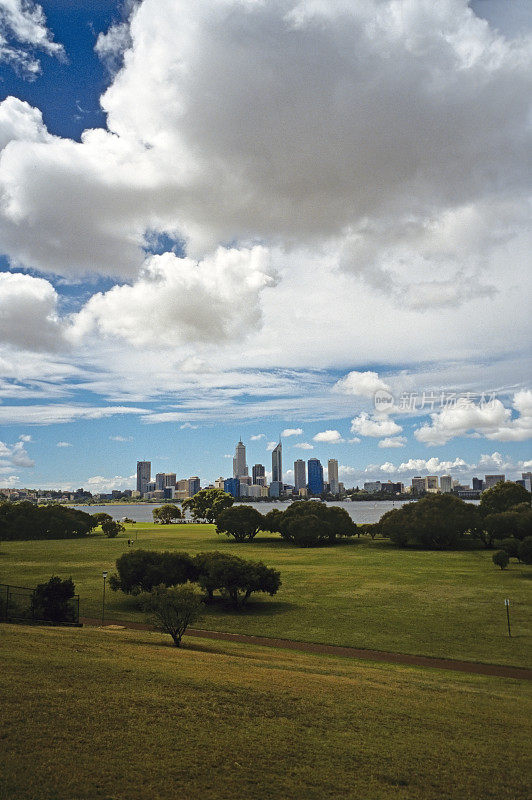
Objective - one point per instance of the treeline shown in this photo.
(22, 521)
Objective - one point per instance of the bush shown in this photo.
(241, 522)
(501, 559)
(436, 522)
(22, 521)
(51, 600)
(142, 570)
(502, 497)
(112, 528)
(235, 577)
(166, 514)
(173, 609)
(511, 546)
(309, 523)
(525, 550)
(102, 517)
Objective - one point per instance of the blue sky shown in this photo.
(216, 217)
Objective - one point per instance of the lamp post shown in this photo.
(104, 576)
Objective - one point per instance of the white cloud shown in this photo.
(15, 455)
(187, 426)
(257, 437)
(111, 46)
(330, 436)
(520, 428)
(363, 384)
(374, 426)
(28, 313)
(23, 28)
(121, 438)
(304, 446)
(65, 444)
(271, 445)
(393, 441)
(98, 484)
(291, 432)
(59, 413)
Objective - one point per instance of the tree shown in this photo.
(208, 503)
(525, 550)
(241, 522)
(142, 570)
(502, 497)
(51, 600)
(102, 517)
(166, 514)
(436, 522)
(305, 530)
(111, 528)
(271, 520)
(22, 521)
(309, 523)
(511, 546)
(501, 559)
(235, 577)
(173, 609)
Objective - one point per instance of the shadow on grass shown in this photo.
(256, 608)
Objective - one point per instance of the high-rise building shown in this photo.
(478, 484)
(159, 481)
(143, 475)
(418, 485)
(240, 468)
(332, 476)
(315, 476)
(372, 486)
(169, 480)
(431, 483)
(219, 483)
(232, 487)
(446, 484)
(493, 480)
(258, 471)
(275, 489)
(526, 477)
(277, 464)
(300, 474)
(194, 485)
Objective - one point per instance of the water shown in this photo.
(363, 511)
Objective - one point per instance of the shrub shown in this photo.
(310, 523)
(502, 497)
(51, 600)
(241, 522)
(142, 570)
(112, 528)
(102, 517)
(511, 546)
(436, 522)
(501, 559)
(525, 550)
(22, 521)
(173, 609)
(166, 514)
(235, 577)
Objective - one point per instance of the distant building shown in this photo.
(143, 475)
(169, 479)
(315, 476)
(240, 468)
(300, 474)
(159, 481)
(372, 486)
(431, 483)
(493, 480)
(254, 491)
(527, 478)
(332, 476)
(392, 488)
(243, 488)
(478, 484)
(258, 473)
(219, 483)
(446, 484)
(232, 487)
(277, 464)
(150, 486)
(194, 485)
(275, 489)
(418, 485)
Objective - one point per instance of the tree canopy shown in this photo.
(172, 609)
(208, 504)
(241, 522)
(142, 570)
(166, 514)
(19, 521)
(502, 497)
(436, 522)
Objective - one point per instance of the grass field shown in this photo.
(91, 714)
(363, 594)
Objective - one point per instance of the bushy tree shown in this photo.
(208, 504)
(111, 528)
(142, 570)
(102, 517)
(22, 521)
(510, 545)
(235, 577)
(525, 550)
(51, 600)
(241, 522)
(436, 522)
(309, 523)
(172, 609)
(271, 520)
(166, 514)
(502, 497)
(501, 559)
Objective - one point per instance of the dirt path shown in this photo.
(472, 667)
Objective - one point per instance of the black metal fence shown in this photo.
(20, 604)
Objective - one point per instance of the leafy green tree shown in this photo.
(306, 530)
(173, 609)
(241, 522)
(51, 600)
(142, 570)
(23, 521)
(525, 550)
(436, 522)
(166, 514)
(235, 577)
(111, 528)
(501, 559)
(511, 545)
(102, 517)
(298, 523)
(502, 497)
(271, 520)
(208, 504)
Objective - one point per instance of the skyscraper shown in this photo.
(332, 475)
(493, 480)
(300, 474)
(143, 475)
(446, 484)
(259, 474)
(315, 476)
(240, 468)
(277, 464)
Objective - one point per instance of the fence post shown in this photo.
(7, 603)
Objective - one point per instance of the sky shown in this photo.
(306, 219)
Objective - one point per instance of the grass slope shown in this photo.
(95, 714)
(363, 594)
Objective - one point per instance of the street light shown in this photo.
(104, 576)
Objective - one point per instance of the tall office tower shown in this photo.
(232, 487)
(526, 477)
(300, 474)
(277, 464)
(332, 476)
(143, 475)
(446, 484)
(418, 485)
(159, 481)
(169, 480)
(258, 471)
(493, 480)
(431, 483)
(240, 468)
(193, 485)
(315, 476)
(478, 484)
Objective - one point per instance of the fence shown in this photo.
(19, 604)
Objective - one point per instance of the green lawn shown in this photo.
(91, 714)
(364, 594)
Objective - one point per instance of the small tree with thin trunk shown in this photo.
(112, 528)
(173, 609)
(501, 559)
